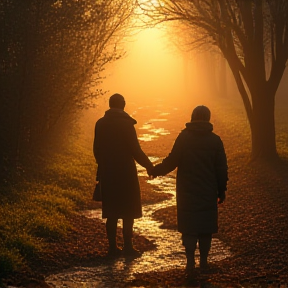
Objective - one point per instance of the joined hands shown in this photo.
(150, 172)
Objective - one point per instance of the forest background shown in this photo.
(53, 60)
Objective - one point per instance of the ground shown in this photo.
(252, 221)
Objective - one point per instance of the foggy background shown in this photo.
(155, 68)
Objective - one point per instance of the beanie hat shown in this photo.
(201, 113)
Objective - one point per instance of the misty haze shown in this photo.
(96, 193)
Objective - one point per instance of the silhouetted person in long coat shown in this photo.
(116, 148)
(200, 184)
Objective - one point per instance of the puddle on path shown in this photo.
(168, 255)
(153, 131)
(158, 120)
(147, 137)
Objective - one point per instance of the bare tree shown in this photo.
(253, 37)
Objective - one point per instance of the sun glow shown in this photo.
(150, 69)
(154, 68)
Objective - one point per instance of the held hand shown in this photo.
(150, 172)
(151, 177)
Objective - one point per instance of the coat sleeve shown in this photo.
(221, 169)
(96, 144)
(138, 154)
(172, 160)
(96, 151)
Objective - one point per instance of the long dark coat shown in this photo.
(116, 148)
(201, 177)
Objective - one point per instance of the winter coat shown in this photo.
(201, 177)
(116, 148)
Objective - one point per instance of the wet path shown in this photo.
(168, 255)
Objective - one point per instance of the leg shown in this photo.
(189, 241)
(128, 249)
(128, 230)
(111, 230)
(204, 247)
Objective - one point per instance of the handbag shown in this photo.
(97, 195)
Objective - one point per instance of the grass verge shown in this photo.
(34, 212)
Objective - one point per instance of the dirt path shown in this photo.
(252, 222)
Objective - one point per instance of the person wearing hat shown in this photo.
(201, 181)
(116, 148)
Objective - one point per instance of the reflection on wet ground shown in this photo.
(168, 255)
(147, 137)
(154, 132)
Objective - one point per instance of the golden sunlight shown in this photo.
(152, 68)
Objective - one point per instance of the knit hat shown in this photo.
(201, 113)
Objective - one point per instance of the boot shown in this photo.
(190, 264)
(190, 270)
(113, 250)
(204, 247)
(111, 228)
(129, 250)
(189, 242)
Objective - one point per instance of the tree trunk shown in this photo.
(260, 114)
(222, 77)
(263, 128)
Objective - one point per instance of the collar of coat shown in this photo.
(199, 126)
(119, 113)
